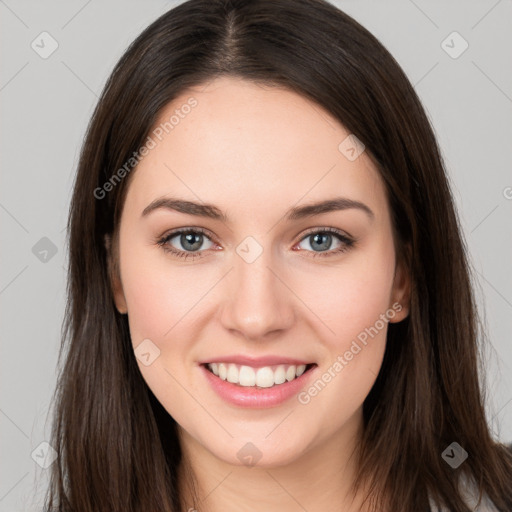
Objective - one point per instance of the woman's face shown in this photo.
(269, 289)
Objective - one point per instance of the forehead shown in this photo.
(252, 149)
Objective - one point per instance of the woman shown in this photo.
(255, 369)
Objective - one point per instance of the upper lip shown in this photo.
(257, 362)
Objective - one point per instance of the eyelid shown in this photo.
(210, 235)
(345, 238)
(189, 229)
(326, 229)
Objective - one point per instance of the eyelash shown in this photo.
(348, 242)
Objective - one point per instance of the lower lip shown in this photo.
(256, 398)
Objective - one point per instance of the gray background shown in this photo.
(46, 105)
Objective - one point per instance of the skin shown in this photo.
(255, 152)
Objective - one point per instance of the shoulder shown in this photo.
(470, 494)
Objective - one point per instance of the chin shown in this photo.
(252, 451)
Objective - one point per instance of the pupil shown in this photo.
(188, 238)
(325, 245)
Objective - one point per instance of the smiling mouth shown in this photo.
(263, 377)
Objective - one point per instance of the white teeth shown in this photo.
(232, 375)
(247, 376)
(264, 377)
(290, 373)
(280, 375)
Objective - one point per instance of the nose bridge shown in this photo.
(258, 301)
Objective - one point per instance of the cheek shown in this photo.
(158, 296)
(351, 299)
(357, 315)
(160, 303)
(355, 305)
(149, 305)
(347, 298)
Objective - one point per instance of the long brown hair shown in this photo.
(117, 447)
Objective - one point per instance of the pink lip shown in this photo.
(256, 398)
(256, 362)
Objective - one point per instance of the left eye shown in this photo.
(192, 240)
(322, 239)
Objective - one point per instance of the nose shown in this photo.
(259, 302)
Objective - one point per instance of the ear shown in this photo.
(401, 292)
(114, 276)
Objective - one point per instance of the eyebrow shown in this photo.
(296, 213)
